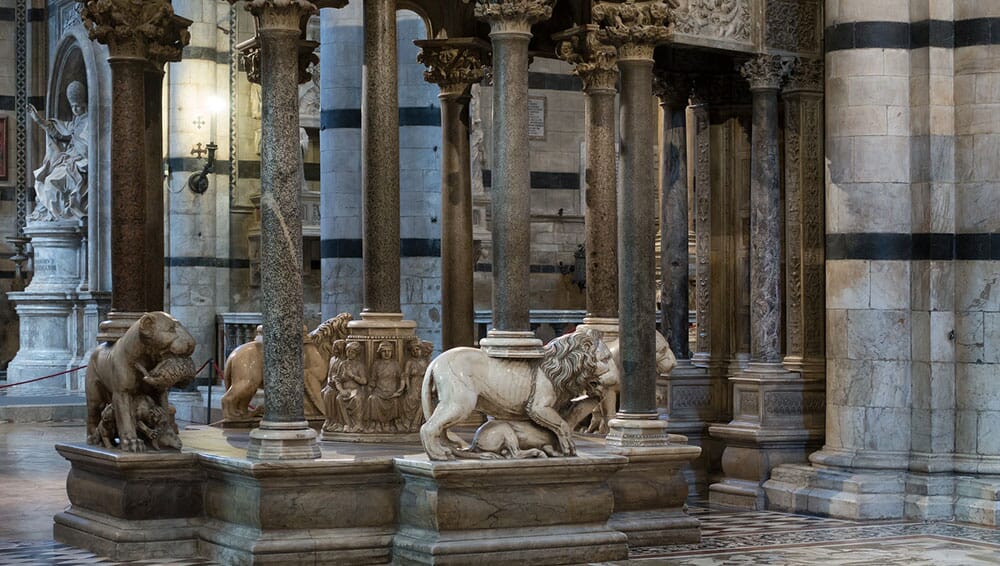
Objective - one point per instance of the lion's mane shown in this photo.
(329, 331)
(568, 362)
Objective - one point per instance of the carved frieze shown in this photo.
(765, 71)
(513, 15)
(453, 65)
(793, 403)
(595, 62)
(690, 397)
(805, 74)
(137, 28)
(793, 25)
(717, 19)
(749, 403)
(636, 27)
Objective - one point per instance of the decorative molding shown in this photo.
(765, 72)
(703, 227)
(690, 397)
(793, 25)
(719, 19)
(635, 27)
(749, 403)
(454, 65)
(595, 62)
(805, 75)
(21, 114)
(515, 16)
(794, 403)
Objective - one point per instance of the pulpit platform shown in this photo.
(370, 504)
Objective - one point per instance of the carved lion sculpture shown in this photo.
(466, 379)
(118, 376)
(665, 363)
(244, 371)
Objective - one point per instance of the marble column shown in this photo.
(284, 433)
(765, 73)
(135, 33)
(635, 29)
(805, 290)
(673, 90)
(510, 32)
(455, 65)
(380, 159)
(595, 63)
(154, 250)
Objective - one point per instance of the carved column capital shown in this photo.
(805, 75)
(513, 16)
(595, 62)
(765, 72)
(137, 28)
(454, 64)
(635, 27)
(673, 89)
(282, 15)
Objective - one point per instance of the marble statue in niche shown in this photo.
(61, 180)
(244, 372)
(128, 381)
(536, 402)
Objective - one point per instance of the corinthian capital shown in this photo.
(281, 14)
(137, 28)
(454, 64)
(765, 72)
(636, 27)
(805, 75)
(513, 15)
(595, 62)
(673, 89)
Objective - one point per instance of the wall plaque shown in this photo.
(536, 117)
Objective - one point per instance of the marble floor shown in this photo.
(32, 490)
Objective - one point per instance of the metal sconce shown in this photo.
(198, 182)
(578, 269)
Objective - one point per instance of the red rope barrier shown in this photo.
(43, 377)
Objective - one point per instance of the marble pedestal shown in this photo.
(545, 511)
(778, 418)
(131, 506)
(57, 322)
(650, 494)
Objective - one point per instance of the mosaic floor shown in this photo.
(32, 489)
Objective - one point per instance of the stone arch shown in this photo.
(77, 58)
(409, 6)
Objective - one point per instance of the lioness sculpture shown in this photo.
(466, 379)
(152, 356)
(244, 371)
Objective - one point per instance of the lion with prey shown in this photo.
(466, 379)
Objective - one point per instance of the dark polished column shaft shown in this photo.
(637, 232)
(154, 251)
(380, 159)
(674, 226)
(602, 205)
(457, 261)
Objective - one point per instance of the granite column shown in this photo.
(136, 34)
(284, 433)
(510, 32)
(455, 65)
(380, 159)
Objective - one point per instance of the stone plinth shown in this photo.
(326, 511)
(690, 398)
(56, 323)
(837, 493)
(546, 511)
(131, 506)
(650, 492)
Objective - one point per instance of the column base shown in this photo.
(637, 431)
(283, 441)
(545, 511)
(116, 325)
(512, 344)
(844, 494)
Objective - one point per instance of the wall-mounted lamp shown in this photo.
(198, 182)
(579, 268)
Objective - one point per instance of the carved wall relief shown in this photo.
(793, 25)
(720, 19)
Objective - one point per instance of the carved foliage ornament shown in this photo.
(513, 15)
(792, 25)
(593, 61)
(634, 26)
(805, 74)
(672, 88)
(765, 71)
(452, 68)
(725, 19)
(137, 27)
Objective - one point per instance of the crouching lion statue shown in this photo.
(126, 400)
(244, 371)
(466, 379)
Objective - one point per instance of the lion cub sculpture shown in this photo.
(533, 404)
(128, 383)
